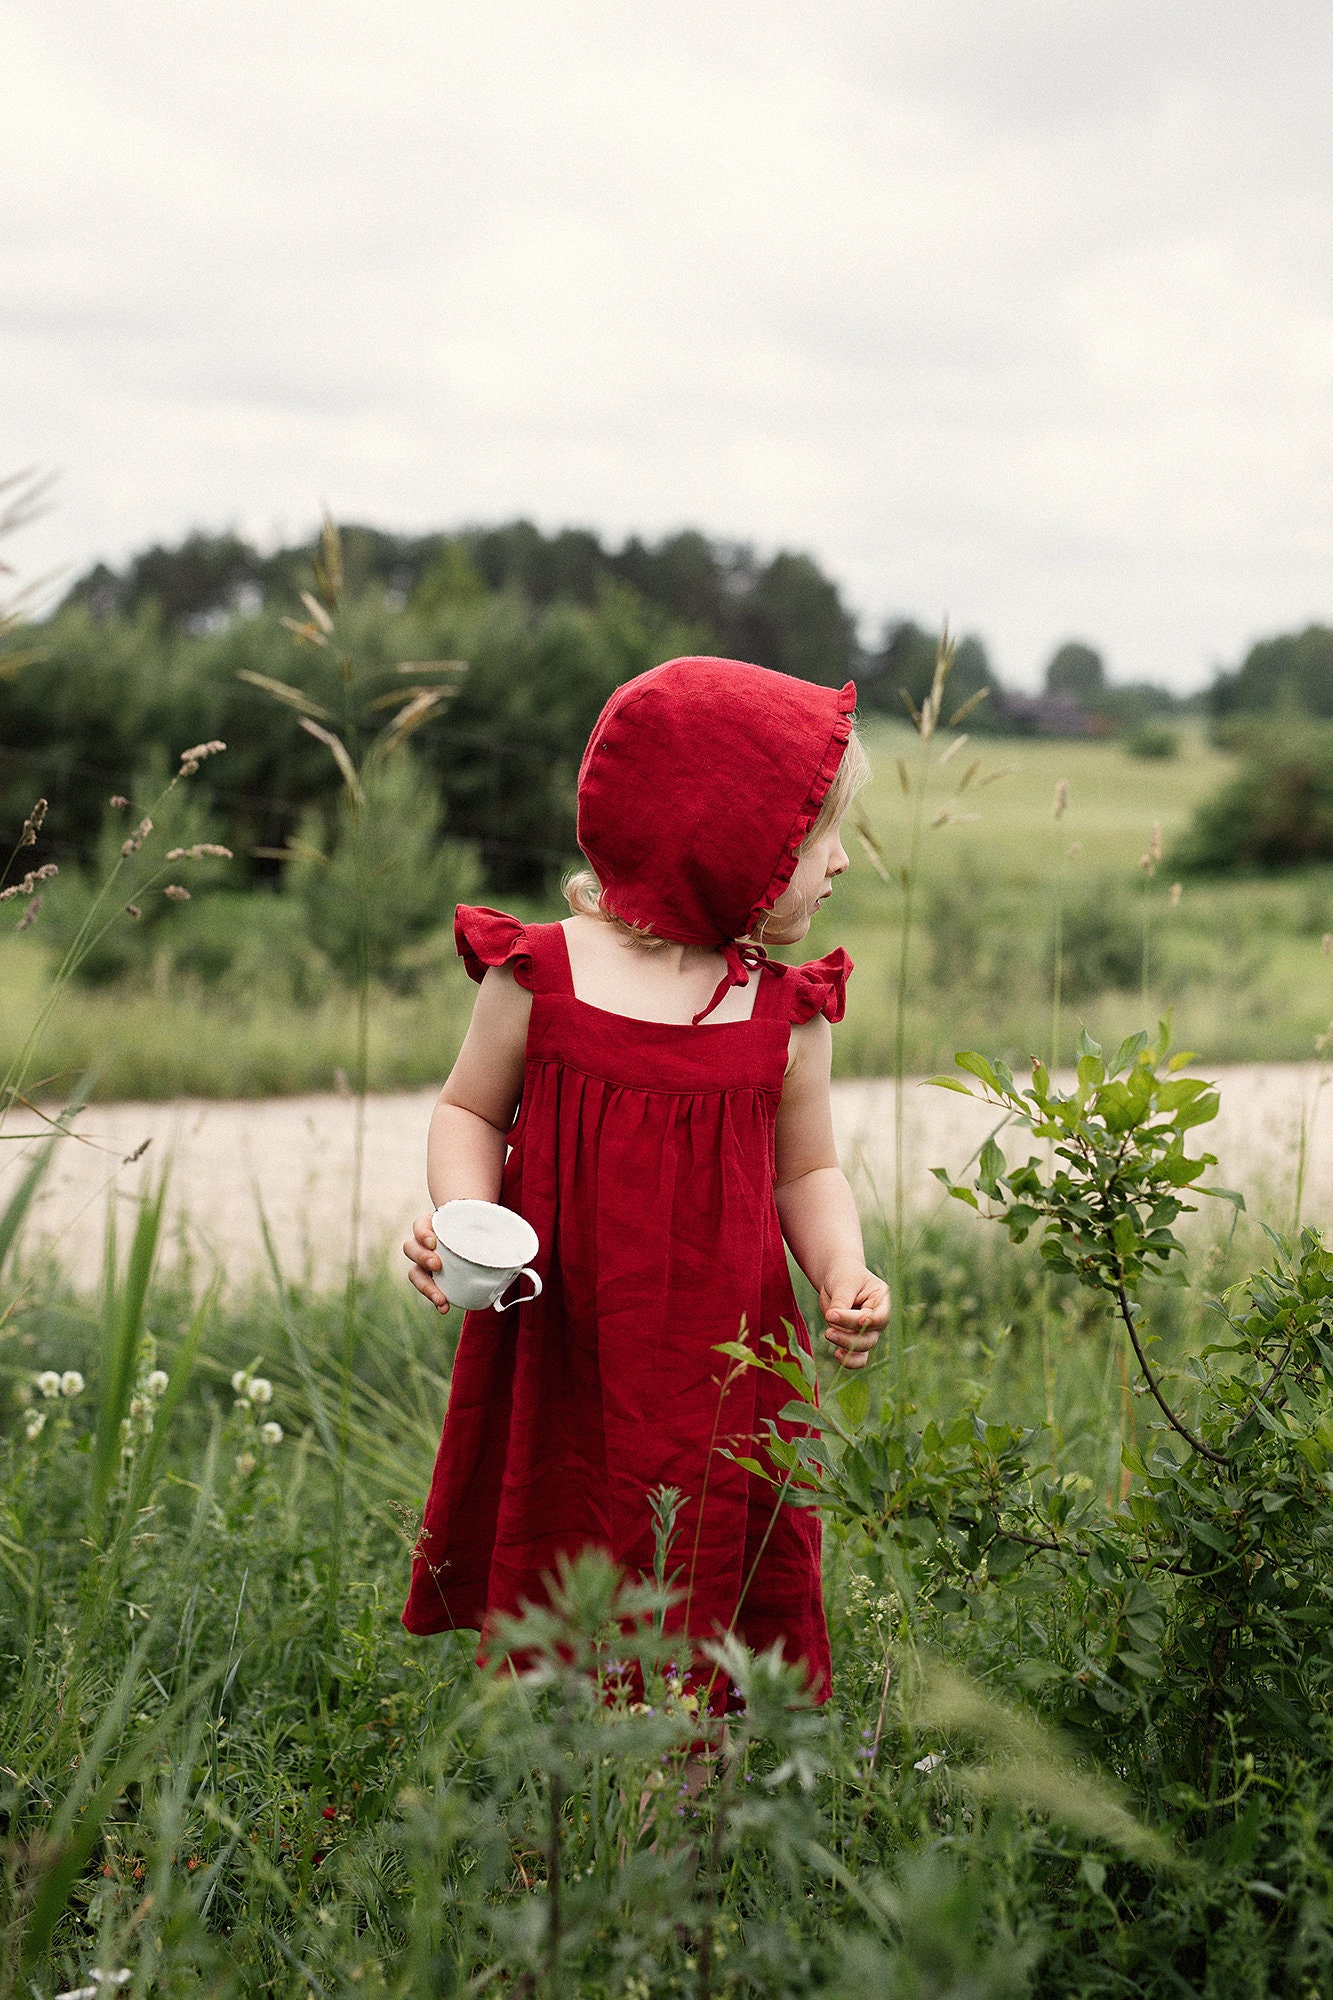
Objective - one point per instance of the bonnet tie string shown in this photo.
(741, 959)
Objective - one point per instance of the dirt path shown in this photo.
(291, 1158)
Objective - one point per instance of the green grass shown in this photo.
(1239, 961)
(225, 1768)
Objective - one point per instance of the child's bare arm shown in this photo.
(469, 1128)
(816, 1206)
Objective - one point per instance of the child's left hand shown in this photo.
(856, 1305)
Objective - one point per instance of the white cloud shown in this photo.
(1012, 309)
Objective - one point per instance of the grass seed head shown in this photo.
(1061, 806)
(32, 825)
(29, 916)
(192, 758)
(119, 801)
(176, 892)
(1174, 898)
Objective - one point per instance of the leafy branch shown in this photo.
(1119, 1173)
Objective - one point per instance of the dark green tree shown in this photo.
(1077, 672)
(1290, 674)
(900, 674)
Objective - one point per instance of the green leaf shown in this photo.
(1129, 1050)
(854, 1399)
(1004, 1557)
(949, 1083)
(1225, 1194)
(977, 1065)
(1087, 1047)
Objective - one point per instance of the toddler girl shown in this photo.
(671, 1085)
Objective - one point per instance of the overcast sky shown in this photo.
(1019, 310)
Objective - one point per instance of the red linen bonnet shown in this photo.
(699, 784)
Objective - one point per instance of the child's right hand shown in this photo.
(419, 1249)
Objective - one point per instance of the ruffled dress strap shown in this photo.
(489, 937)
(820, 987)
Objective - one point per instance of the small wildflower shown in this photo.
(140, 1406)
(176, 893)
(271, 1433)
(246, 1463)
(1061, 806)
(119, 801)
(156, 1383)
(238, 1381)
(35, 1425)
(1174, 898)
(48, 1383)
(71, 1383)
(32, 825)
(259, 1390)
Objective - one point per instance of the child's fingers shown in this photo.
(424, 1262)
(426, 1285)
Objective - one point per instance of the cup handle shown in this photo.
(502, 1304)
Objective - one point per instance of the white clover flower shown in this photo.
(71, 1383)
(271, 1433)
(34, 1425)
(156, 1383)
(238, 1381)
(259, 1390)
(139, 1406)
(245, 1463)
(49, 1384)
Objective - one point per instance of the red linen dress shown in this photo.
(643, 1156)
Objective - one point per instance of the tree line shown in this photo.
(135, 663)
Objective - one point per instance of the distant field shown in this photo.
(1239, 962)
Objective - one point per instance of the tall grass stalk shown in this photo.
(917, 786)
(359, 745)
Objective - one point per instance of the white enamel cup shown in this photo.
(483, 1248)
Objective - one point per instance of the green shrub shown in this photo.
(1277, 812)
(1152, 740)
(387, 859)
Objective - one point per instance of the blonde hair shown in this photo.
(583, 892)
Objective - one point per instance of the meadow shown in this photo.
(226, 1770)
(1237, 959)
(1079, 1566)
